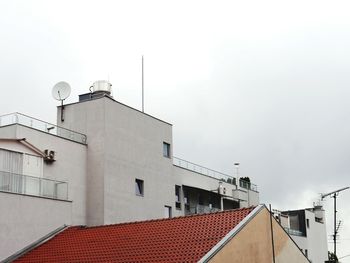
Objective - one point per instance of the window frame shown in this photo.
(169, 210)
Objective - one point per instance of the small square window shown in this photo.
(166, 149)
(167, 211)
(139, 187)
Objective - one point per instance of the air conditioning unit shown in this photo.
(49, 156)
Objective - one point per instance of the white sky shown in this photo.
(263, 83)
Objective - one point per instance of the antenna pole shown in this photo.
(335, 224)
(62, 108)
(143, 107)
(334, 195)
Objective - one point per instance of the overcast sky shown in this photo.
(263, 83)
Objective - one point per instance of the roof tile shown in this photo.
(180, 239)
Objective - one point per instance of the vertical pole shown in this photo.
(272, 240)
(62, 108)
(335, 224)
(143, 107)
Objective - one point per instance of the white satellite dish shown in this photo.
(61, 91)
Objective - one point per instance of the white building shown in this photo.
(307, 227)
(104, 162)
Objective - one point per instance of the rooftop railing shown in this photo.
(18, 118)
(30, 185)
(203, 170)
(293, 232)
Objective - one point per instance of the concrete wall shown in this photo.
(123, 145)
(25, 219)
(253, 244)
(70, 164)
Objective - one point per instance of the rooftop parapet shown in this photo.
(18, 118)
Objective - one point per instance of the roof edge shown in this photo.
(121, 103)
(35, 244)
(212, 252)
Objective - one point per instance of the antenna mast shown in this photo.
(334, 195)
(143, 107)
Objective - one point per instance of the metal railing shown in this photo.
(203, 170)
(248, 185)
(30, 185)
(293, 232)
(18, 118)
(200, 209)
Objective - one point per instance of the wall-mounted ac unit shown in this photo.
(49, 156)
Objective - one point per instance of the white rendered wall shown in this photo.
(25, 219)
(123, 144)
(316, 239)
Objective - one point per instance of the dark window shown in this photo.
(178, 197)
(166, 149)
(139, 187)
(306, 253)
(307, 223)
(177, 193)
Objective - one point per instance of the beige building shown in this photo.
(103, 163)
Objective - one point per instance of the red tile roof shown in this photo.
(181, 239)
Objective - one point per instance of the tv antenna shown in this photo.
(334, 195)
(61, 91)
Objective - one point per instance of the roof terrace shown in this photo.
(213, 174)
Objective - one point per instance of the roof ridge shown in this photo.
(165, 219)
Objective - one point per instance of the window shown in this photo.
(167, 211)
(166, 149)
(307, 223)
(178, 198)
(306, 253)
(139, 187)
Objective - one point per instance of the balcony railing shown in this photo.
(30, 185)
(200, 209)
(18, 118)
(203, 170)
(293, 232)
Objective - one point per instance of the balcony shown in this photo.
(248, 185)
(200, 209)
(18, 118)
(204, 171)
(35, 186)
(293, 232)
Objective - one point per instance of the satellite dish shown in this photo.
(61, 91)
